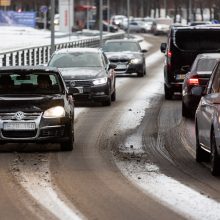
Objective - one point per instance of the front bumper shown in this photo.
(89, 93)
(53, 130)
(128, 68)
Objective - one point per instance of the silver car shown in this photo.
(207, 123)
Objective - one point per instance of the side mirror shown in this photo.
(185, 68)
(112, 66)
(197, 91)
(163, 47)
(144, 51)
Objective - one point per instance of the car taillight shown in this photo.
(193, 81)
(169, 54)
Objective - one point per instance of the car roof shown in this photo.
(78, 49)
(198, 27)
(43, 69)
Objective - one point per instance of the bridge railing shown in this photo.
(41, 55)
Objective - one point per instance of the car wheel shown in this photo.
(113, 96)
(185, 111)
(201, 155)
(68, 145)
(168, 93)
(214, 158)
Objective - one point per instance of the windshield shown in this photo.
(206, 65)
(121, 46)
(30, 83)
(78, 59)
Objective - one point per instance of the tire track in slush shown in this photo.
(32, 171)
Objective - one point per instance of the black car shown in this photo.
(198, 76)
(127, 55)
(183, 45)
(87, 73)
(35, 106)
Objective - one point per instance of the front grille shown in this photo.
(80, 83)
(19, 134)
(27, 116)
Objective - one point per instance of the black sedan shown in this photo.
(35, 107)
(198, 76)
(127, 55)
(87, 73)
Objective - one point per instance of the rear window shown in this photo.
(121, 47)
(193, 40)
(206, 65)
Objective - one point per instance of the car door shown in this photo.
(207, 108)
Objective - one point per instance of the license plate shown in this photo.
(86, 89)
(80, 89)
(121, 67)
(12, 126)
(180, 76)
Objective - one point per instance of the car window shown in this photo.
(215, 84)
(30, 83)
(206, 65)
(77, 59)
(188, 40)
(121, 46)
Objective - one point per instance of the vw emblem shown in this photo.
(19, 115)
(72, 83)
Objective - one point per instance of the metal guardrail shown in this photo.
(41, 55)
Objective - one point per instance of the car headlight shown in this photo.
(135, 61)
(54, 112)
(100, 81)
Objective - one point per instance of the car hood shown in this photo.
(80, 73)
(122, 55)
(31, 103)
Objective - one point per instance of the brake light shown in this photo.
(169, 54)
(193, 81)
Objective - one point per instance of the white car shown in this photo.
(161, 26)
(207, 123)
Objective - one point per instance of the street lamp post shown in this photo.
(108, 13)
(190, 10)
(52, 12)
(128, 15)
(100, 21)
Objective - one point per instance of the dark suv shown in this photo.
(182, 47)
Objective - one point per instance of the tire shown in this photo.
(201, 155)
(168, 93)
(214, 158)
(113, 96)
(68, 145)
(185, 111)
